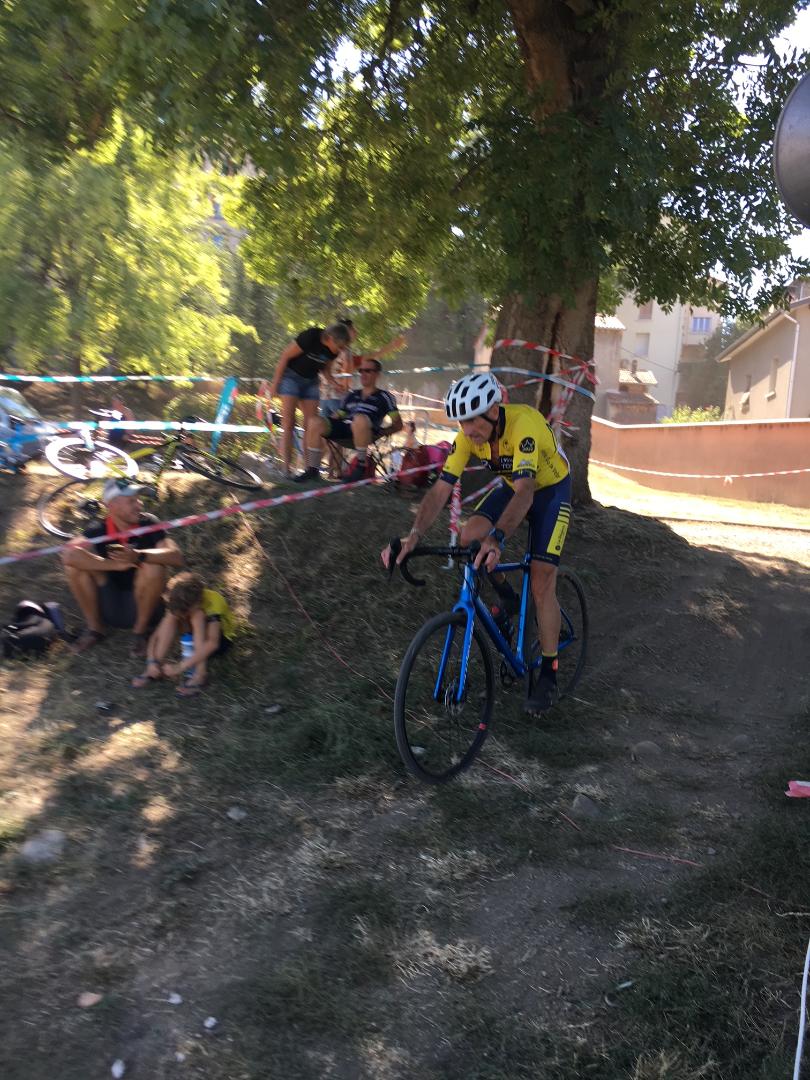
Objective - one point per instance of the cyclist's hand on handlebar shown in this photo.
(406, 546)
(489, 556)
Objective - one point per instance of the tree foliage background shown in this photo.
(106, 260)
(519, 148)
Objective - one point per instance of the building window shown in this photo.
(772, 377)
(646, 310)
(745, 397)
(701, 324)
(642, 345)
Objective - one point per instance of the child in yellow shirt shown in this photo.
(190, 609)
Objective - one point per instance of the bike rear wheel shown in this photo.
(68, 510)
(573, 643)
(220, 469)
(76, 459)
(441, 715)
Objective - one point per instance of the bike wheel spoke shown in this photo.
(68, 510)
(220, 469)
(442, 712)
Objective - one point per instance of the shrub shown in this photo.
(704, 414)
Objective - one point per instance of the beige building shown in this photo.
(664, 341)
(769, 368)
(621, 394)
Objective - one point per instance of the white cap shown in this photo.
(120, 486)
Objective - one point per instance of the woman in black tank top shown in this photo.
(296, 377)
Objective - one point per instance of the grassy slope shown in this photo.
(354, 924)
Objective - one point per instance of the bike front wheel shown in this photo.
(68, 510)
(444, 699)
(76, 459)
(220, 469)
(573, 643)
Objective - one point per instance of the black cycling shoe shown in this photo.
(544, 695)
(355, 473)
(308, 474)
(508, 599)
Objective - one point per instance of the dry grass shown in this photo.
(353, 924)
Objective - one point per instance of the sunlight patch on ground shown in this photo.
(612, 488)
(121, 746)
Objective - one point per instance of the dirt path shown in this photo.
(351, 924)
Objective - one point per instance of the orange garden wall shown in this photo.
(725, 447)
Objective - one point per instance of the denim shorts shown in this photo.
(295, 385)
(330, 405)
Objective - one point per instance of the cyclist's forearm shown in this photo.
(515, 512)
(431, 506)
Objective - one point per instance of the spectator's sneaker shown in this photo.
(544, 695)
(307, 475)
(355, 473)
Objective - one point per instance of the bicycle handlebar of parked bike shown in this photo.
(453, 552)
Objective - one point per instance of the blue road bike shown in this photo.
(445, 693)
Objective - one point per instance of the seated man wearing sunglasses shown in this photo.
(359, 421)
(120, 582)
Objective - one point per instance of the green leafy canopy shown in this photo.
(521, 147)
(104, 255)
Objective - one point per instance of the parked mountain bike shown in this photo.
(85, 456)
(67, 510)
(445, 691)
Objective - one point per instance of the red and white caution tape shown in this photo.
(535, 346)
(537, 376)
(558, 409)
(725, 477)
(481, 491)
(198, 519)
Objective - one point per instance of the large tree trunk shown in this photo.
(568, 328)
(567, 61)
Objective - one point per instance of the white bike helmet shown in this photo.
(472, 395)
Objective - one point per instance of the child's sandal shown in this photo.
(140, 681)
(191, 689)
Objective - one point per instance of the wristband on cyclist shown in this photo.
(499, 536)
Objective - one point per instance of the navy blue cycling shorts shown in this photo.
(548, 516)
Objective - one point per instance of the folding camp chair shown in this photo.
(378, 456)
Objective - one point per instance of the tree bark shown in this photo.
(569, 329)
(566, 65)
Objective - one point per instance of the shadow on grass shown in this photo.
(143, 792)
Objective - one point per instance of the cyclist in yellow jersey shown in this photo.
(516, 442)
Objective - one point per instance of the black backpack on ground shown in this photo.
(32, 630)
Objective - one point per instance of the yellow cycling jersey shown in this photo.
(215, 607)
(524, 446)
